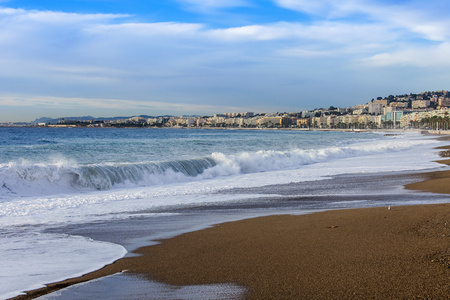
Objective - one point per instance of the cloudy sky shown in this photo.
(130, 57)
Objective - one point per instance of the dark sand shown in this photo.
(366, 253)
(373, 253)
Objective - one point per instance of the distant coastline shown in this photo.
(424, 111)
(387, 130)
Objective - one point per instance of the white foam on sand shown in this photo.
(30, 260)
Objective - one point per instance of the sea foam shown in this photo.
(29, 260)
(31, 179)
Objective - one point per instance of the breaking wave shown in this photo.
(28, 179)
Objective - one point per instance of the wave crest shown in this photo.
(25, 179)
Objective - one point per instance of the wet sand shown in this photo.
(376, 253)
(371, 253)
(366, 253)
(435, 182)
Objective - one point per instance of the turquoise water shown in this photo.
(94, 145)
(101, 159)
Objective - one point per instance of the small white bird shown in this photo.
(389, 208)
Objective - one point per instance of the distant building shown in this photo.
(384, 102)
(420, 104)
(271, 121)
(286, 122)
(359, 111)
(68, 122)
(303, 122)
(399, 104)
(394, 115)
(332, 121)
(318, 121)
(139, 120)
(306, 114)
(200, 122)
(444, 102)
(375, 108)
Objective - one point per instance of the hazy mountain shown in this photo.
(89, 118)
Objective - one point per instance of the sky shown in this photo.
(200, 57)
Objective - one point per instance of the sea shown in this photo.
(75, 199)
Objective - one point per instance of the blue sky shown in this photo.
(115, 57)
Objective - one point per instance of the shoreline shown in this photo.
(363, 253)
(401, 252)
(435, 256)
(438, 181)
(387, 130)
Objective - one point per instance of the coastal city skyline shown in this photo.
(426, 110)
(184, 57)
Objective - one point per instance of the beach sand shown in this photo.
(374, 253)
(401, 252)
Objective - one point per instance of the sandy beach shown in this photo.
(375, 253)
(400, 252)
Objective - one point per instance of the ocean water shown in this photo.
(54, 178)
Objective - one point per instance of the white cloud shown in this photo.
(301, 52)
(147, 29)
(420, 20)
(114, 104)
(251, 33)
(28, 29)
(321, 7)
(321, 37)
(97, 35)
(427, 26)
(426, 57)
(52, 17)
